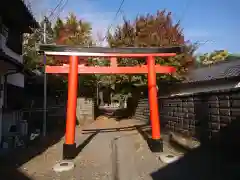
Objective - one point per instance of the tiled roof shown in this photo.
(227, 69)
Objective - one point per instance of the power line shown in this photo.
(115, 17)
(45, 75)
(118, 11)
(51, 15)
(57, 6)
(187, 5)
(60, 10)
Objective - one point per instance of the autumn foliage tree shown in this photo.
(213, 57)
(73, 31)
(153, 31)
(68, 31)
(31, 58)
(145, 31)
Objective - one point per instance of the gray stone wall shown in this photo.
(200, 115)
(142, 110)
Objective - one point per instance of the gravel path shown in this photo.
(115, 151)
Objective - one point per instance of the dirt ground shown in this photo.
(117, 150)
(108, 149)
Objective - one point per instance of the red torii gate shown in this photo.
(113, 53)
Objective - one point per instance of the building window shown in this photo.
(14, 41)
(13, 99)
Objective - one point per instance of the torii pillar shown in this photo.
(156, 144)
(69, 147)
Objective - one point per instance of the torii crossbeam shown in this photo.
(78, 54)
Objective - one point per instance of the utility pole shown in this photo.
(45, 81)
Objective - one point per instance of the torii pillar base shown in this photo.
(156, 145)
(69, 151)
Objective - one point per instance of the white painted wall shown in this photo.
(8, 51)
(207, 88)
(16, 79)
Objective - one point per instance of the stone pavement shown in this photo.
(113, 150)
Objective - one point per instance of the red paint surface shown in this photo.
(152, 96)
(110, 70)
(113, 62)
(87, 54)
(72, 100)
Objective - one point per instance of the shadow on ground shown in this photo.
(106, 130)
(217, 158)
(85, 143)
(11, 162)
(117, 114)
(214, 159)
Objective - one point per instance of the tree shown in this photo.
(214, 57)
(57, 29)
(73, 31)
(31, 58)
(153, 31)
(69, 32)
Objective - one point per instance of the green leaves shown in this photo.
(212, 58)
(31, 58)
(73, 32)
(153, 31)
(146, 31)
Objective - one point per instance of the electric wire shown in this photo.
(187, 6)
(51, 15)
(114, 19)
(57, 14)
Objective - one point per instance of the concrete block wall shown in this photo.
(200, 115)
(178, 114)
(85, 110)
(142, 110)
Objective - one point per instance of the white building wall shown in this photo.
(16, 79)
(8, 51)
(207, 88)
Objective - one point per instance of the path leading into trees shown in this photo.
(108, 149)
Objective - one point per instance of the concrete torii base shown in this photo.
(63, 166)
(168, 158)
